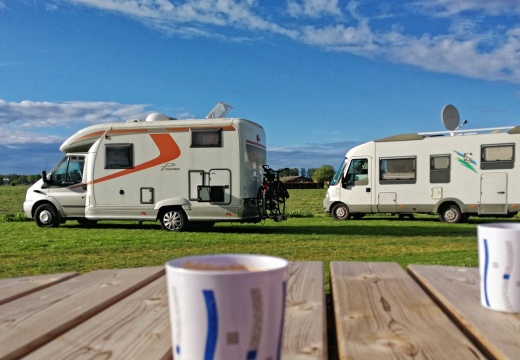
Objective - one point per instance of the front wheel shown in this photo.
(451, 214)
(47, 216)
(174, 219)
(340, 212)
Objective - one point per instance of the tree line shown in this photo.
(14, 179)
(320, 175)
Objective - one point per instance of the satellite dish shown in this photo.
(450, 117)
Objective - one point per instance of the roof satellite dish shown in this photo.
(450, 117)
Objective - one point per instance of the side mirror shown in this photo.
(44, 177)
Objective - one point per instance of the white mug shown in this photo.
(225, 307)
(499, 266)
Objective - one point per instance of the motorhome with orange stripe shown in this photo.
(184, 173)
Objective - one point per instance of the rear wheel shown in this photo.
(47, 216)
(174, 219)
(451, 214)
(340, 212)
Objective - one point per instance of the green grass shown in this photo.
(26, 249)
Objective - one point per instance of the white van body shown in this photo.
(181, 172)
(455, 174)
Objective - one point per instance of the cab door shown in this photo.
(65, 185)
(357, 185)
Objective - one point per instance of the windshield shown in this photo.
(337, 176)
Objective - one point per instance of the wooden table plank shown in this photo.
(382, 313)
(305, 328)
(14, 288)
(135, 328)
(458, 290)
(31, 321)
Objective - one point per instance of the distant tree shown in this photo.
(323, 173)
(31, 179)
(303, 172)
(310, 172)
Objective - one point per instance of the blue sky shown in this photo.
(319, 75)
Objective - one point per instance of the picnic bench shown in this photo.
(376, 311)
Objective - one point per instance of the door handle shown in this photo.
(501, 192)
(367, 190)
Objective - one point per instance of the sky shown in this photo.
(320, 76)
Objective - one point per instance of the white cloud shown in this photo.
(313, 8)
(29, 114)
(445, 8)
(14, 138)
(469, 45)
(191, 17)
(308, 155)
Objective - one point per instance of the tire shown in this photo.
(451, 214)
(173, 219)
(84, 222)
(46, 216)
(340, 212)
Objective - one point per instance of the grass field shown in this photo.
(308, 234)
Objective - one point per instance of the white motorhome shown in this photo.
(455, 174)
(181, 172)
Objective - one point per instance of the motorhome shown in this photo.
(454, 173)
(181, 172)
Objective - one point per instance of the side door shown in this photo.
(65, 185)
(493, 193)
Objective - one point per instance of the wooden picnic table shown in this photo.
(377, 311)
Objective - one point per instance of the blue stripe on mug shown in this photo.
(211, 310)
(486, 268)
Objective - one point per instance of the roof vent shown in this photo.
(158, 117)
(219, 111)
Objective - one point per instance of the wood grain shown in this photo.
(135, 328)
(305, 328)
(14, 288)
(43, 315)
(458, 290)
(382, 313)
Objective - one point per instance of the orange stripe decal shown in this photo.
(168, 151)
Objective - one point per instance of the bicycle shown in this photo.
(271, 195)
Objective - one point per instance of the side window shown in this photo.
(440, 169)
(397, 170)
(69, 171)
(497, 156)
(357, 173)
(119, 156)
(206, 138)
